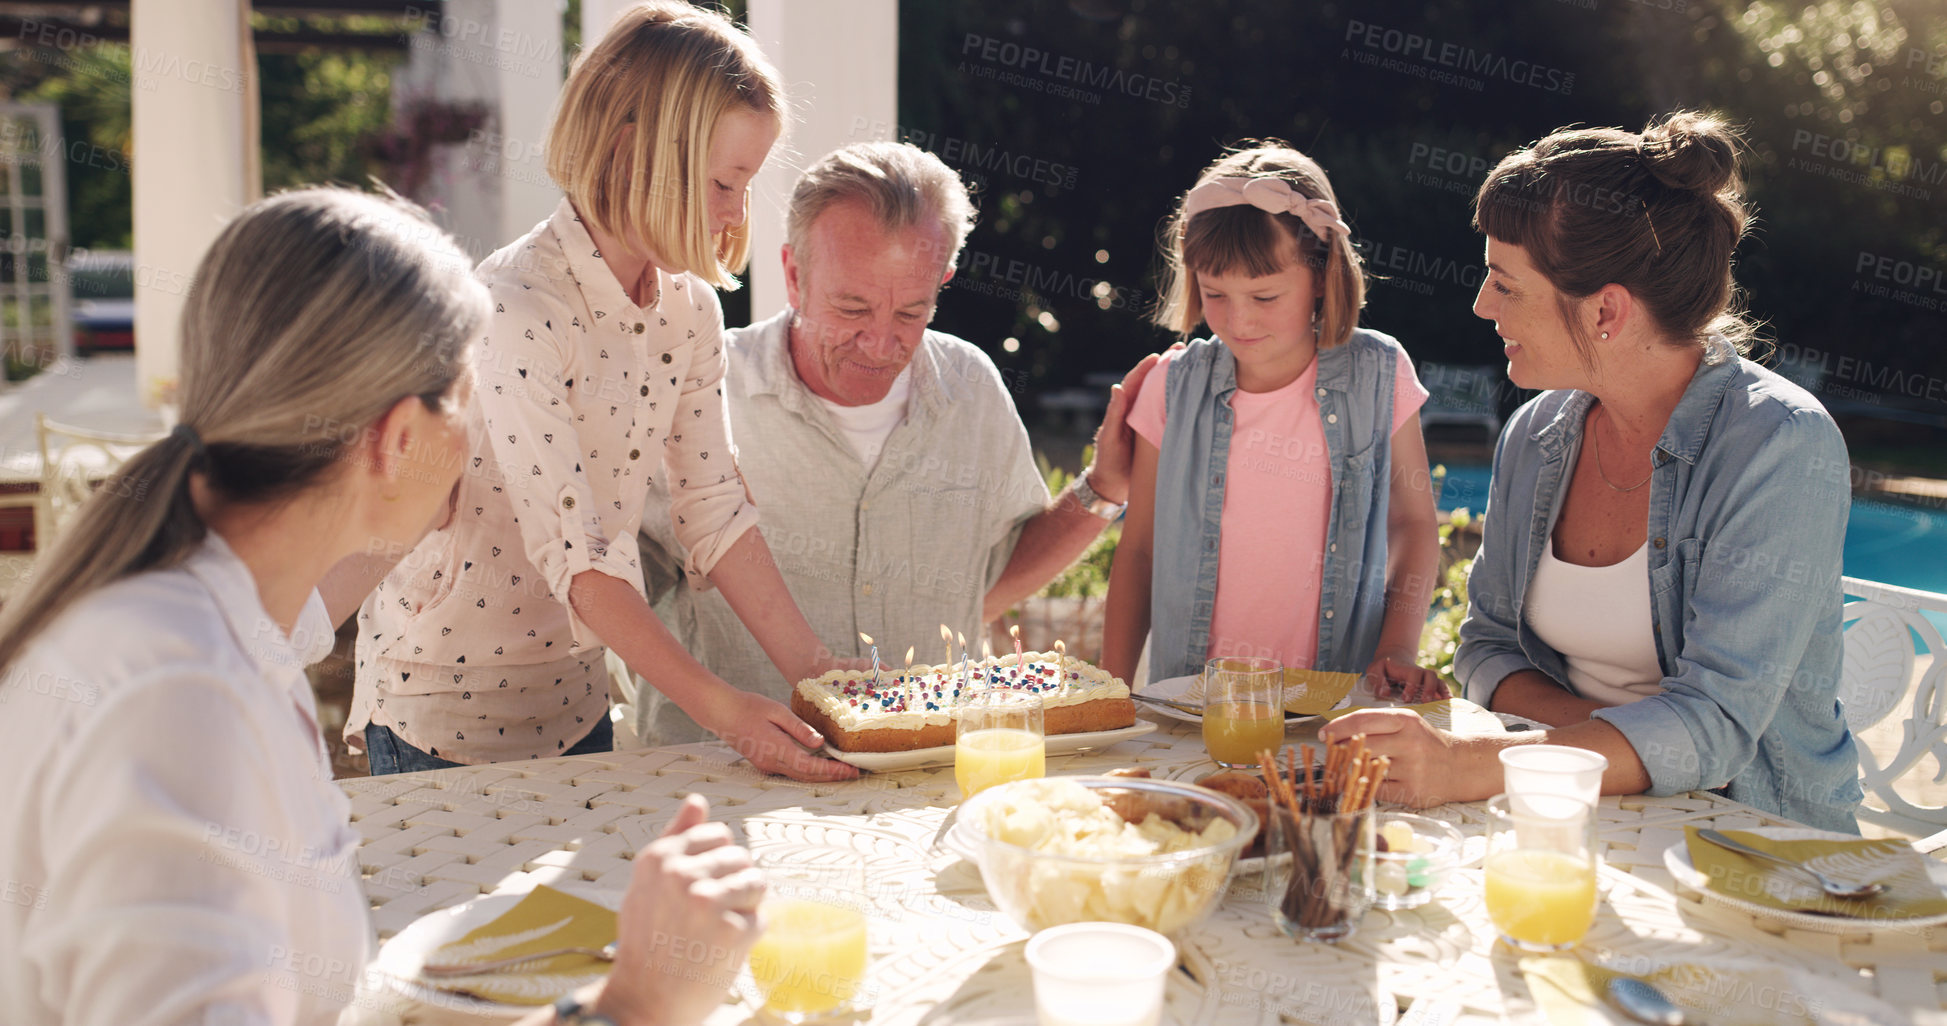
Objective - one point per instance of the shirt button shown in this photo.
(638, 327)
(1658, 543)
(668, 358)
(635, 454)
(1331, 418)
(865, 505)
(645, 390)
(1321, 393)
(867, 589)
(1334, 547)
(567, 502)
(1328, 614)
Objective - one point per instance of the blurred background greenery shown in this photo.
(1078, 154)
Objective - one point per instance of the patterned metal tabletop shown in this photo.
(436, 839)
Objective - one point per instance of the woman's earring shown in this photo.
(1605, 336)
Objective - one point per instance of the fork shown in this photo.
(605, 953)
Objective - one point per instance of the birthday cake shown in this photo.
(892, 710)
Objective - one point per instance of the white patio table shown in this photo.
(439, 838)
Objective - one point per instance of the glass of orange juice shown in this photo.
(998, 738)
(1540, 870)
(810, 961)
(1243, 709)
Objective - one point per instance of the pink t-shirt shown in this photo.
(1277, 505)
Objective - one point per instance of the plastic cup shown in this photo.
(1099, 974)
(1539, 874)
(1552, 770)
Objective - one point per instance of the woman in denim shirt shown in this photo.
(1668, 593)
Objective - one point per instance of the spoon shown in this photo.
(1641, 1001)
(1833, 888)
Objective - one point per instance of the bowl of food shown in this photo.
(1412, 857)
(1151, 853)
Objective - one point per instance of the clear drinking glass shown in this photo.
(1540, 870)
(810, 962)
(1243, 709)
(1319, 871)
(998, 738)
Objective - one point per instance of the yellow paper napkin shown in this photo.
(1310, 692)
(1910, 893)
(543, 920)
(1571, 992)
(1453, 714)
(1306, 692)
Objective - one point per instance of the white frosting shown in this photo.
(891, 706)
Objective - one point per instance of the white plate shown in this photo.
(1676, 858)
(396, 968)
(1175, 688)
(924, 758)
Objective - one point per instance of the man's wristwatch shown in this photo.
(1095, 503)
(569, 1011)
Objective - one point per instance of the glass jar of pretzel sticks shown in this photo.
(1319, 840)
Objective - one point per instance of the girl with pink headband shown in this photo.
(1280, 505)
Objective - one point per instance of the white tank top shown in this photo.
(1598, 618)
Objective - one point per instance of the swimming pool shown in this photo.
(1891, 544)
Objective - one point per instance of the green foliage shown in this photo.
(1406, 153)
(91, 86)
(1441, 636)
(320, 109)
(1089, 576)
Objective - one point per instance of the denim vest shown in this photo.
(1355, 406)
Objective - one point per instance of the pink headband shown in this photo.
(1274, 195)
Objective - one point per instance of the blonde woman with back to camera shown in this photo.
(170, 817)
(602, 360)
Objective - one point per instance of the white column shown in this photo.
(195, 160)
(505, 56)
(597, 16)
(528, 83)
(840, 64)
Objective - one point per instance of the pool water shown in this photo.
(1891, 544)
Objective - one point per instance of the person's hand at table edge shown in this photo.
(1429, 766)
(691, 890)
(1405, 681)
(773, 738)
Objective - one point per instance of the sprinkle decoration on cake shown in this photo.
(913, 708)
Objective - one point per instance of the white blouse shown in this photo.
(172, 847)
(469, 648)
(1598, 618)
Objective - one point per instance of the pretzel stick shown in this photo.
(1385, 764)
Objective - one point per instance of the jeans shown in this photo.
(388, 754)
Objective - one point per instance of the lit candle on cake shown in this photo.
(946, 637)
(1061, 664)
(966, 659)
(867, 638)
(908, 689)
(1020, 657)
(987, 663)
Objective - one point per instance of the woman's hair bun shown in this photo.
(1693, 151)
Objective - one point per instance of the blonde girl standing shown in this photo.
(602, 357)
(1279, 505)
